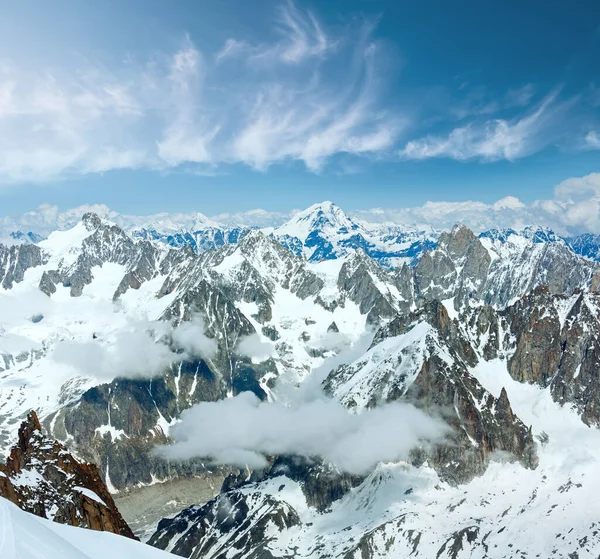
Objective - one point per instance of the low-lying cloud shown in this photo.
(254, 347)
(143, 351)
(242, 431)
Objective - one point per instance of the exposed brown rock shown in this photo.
(43, 478)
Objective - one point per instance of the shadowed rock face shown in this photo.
(43, 478)
(118, 424)
(480, 427)
(15, 260)
(557, 344)
(481, 424)
(457, 268)
(461, 268)
(432, 372)
(368, 285)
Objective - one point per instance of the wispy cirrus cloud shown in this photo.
(301, 37)
(240, 105)
(495, 139)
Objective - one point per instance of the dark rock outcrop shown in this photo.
(16, 260)
(43, 478)
(117, 425)
(557, 344)
(431, 371)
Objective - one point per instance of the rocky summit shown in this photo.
(42, 477)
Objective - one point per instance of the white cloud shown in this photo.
(592, 140)
(244, 430)
(243, 105)
(255, 347)
(494, 139)
(301, 38)
(575, 208)
(143, 350)
(189, 336)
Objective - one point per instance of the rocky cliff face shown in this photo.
(117, 425)
(16, 260)
(465, 267)
(557, 345)
(424, 358)
(457, 268)
(43, 478)
(231, 515)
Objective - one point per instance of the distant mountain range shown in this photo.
(321, 232)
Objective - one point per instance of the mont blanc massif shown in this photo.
(323, 387)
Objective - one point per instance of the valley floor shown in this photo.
(143, 507)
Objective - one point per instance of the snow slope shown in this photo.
(25, 536)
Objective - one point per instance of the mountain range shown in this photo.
(115, 335)
(321, 232)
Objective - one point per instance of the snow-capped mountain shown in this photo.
(472, 366)
(322, 231)
(325, 232)
(111, 337)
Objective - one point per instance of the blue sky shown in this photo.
(151, 106)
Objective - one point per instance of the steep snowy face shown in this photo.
(299, 312)
(318, 232)
(269, 313)
(520, 264)
(586, 245)
(424, 358)
(470, 365)
(93, 243)
(64, 291)
(208, 237)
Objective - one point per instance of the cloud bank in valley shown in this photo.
(255, 348)
(144, 350)
(242, 431)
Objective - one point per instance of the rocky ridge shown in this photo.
(43, 478)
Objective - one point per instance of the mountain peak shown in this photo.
(91, 221)
(42, 477)
(324, 216)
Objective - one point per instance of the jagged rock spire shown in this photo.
(43, 478)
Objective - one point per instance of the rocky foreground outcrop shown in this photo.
(43, 478)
